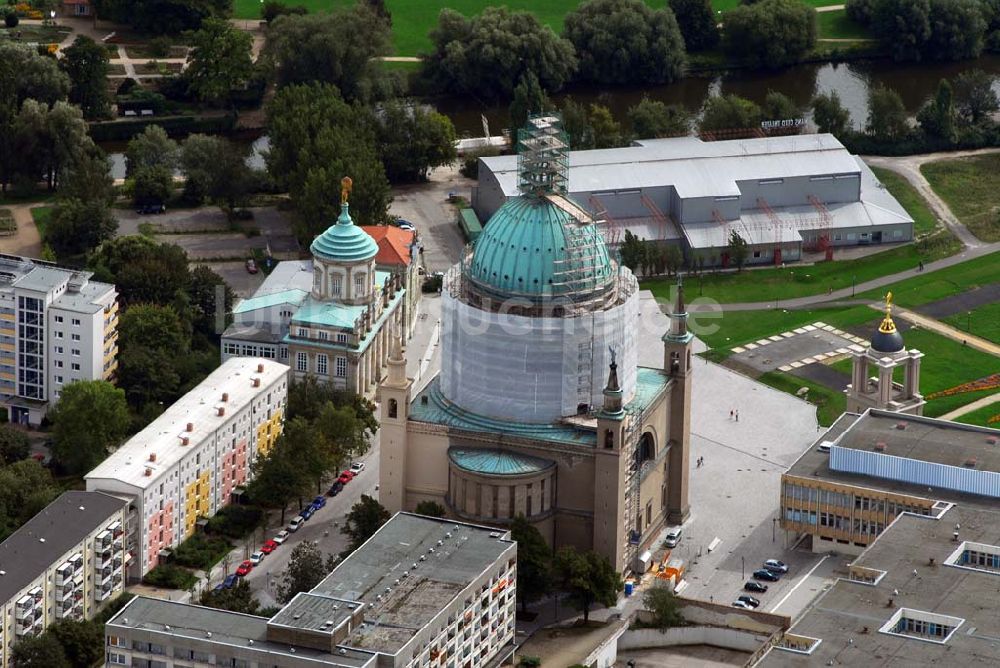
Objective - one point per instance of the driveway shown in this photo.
(426, 206)
(25, 241)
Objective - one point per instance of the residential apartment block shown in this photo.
(186, 464)
(56, 326)
(868, 469)
(421, 592)
(64, 563)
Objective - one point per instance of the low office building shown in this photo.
(783, 195)
(868, 469)
(923, 593)
(56, 326)
(420, 592)
(63, 563)
(333, 317)
(186, 463)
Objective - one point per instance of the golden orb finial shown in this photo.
(887, 326)
(345, 188)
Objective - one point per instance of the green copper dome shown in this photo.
(533, 248)
(344, 241)
(496, 462)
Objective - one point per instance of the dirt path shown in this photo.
(938, 327)
(26, 240)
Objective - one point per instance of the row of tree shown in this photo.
(68, 643)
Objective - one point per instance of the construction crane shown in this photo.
(776, 223)
(823, 241)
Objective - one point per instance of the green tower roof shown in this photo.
(344, 241)
(531, 247)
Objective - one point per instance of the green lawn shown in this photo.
(924, 220)
(932, 286)
(983, 322)
(971, 188)
(836, 25)
(42, 215)
(982, 416)
(830, 404)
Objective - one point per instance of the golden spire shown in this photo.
(887, 326)
(345, 188)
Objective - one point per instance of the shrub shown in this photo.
(234, 521)
(201, 552)
(170, 576)
(11, 20)
(272, 9)
(159, 47)
(127, 86)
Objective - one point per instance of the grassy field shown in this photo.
(34, 32)
(984, 322)
(829, 404)
(412, 21)
(981, 417)
(42, 215)
(836, 25)
(924, 220)
(971, 188)
(932, 286)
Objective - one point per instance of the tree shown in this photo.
(79, 226)
(86, 64)
(310, 399)
(340, 47)
(957, 30)
(778, 106)
(305, 446)
(41, 651)
(91, 416)
(729, 112)
(82, 641)
(345, 434)
(142, 269)
(737, 249)
(430, 509)
(486, 55)
(364, 519)
(276, 480)
(625, 41)
(316, 139)
(770, 33)
(607, 131)
(49, 140)
(534, 562)
(151, 148)
(937, 116)
(272, 9)
(215, 168)
(153, 341)
(220, 60)
(829, 114)
(661, 602)
(163, 16)
(413, 140)
(25, 74)
(632, 251)
(529, 98)
(861, 11)
(697, 22)
(14, 445)
(588, 578)
(26, 487)
(576, 123)
(238, 598)
(89, 178)
(887, 117)
(211, 302)
(975, 99)
(903, 26)
(654, 119)
(306, 568)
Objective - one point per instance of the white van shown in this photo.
(296, 522)
(673, 537)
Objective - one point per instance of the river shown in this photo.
(914, 82)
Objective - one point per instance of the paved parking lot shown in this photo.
(426, 206)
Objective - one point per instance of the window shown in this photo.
(75, 337)
(335, 285)
(59, 380)
(341, 367)
(59, 350)
(76, 352)
(303, 332)
(341, 338)
(75, 366)
(323, 335)
(59, 364)
(301, 362)
(321, 361)
(359, 284)
(76, 322)
(393, 408)
(59, 319)
(58, 334)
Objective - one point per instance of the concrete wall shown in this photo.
(735, 639)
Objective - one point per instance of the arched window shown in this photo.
(609, 439)
(646, 449)
(393, 408)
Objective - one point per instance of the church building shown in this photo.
(540, 407)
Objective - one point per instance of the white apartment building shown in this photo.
(64, 563)
(56, 326)
(421, 592)
(186, 464)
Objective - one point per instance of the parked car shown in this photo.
(251, 266)
(335, 488)
(406, 225)
(741, 604)
(218, 587)
(345, 477)
(776, 566)
(307, 513)
(319, 502)
(753, 586)
(281, 537)
(269, 546)
(257, 557)
(673, 537)
(230, 581)
(764, 574)
(749, 600)
(244, 568)
(148, 209)
(357, 467)
(294, 525)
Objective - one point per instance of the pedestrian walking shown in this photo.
(730, 413)
(737, 416)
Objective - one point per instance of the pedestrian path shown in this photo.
(941, 328)
(974, 406)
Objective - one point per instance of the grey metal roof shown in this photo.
(50, 534)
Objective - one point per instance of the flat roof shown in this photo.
(848, 616)
(42, 276)
(50, 534)
(162, 437)
(185, 620)
(408, 572)
(315, 612)
(695, 168)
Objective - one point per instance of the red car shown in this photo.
(345, 477)
(244, 568)
(268, 547)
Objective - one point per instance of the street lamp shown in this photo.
(968, 323)
(743, 567)
(854, 281)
